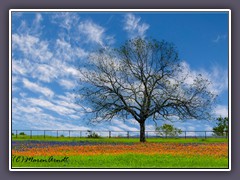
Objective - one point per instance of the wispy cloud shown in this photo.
(65, 20)
(67, 83)
(221, 110)
(17, 14)
(121, 124)
(37, 88)
(44, 68)
(34, 28)
(218, 77)
(93, 31)
(61, 110)
(65, 51)
(208, 128)
(220, 38)
(18, 67)
(44, 72)
(42, 62)
(30, 110)
(31, 47)
(134, 27)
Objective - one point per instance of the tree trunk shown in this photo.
(142, 132)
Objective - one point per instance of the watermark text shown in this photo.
(24, 159)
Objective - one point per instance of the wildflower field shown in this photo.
(119, 154)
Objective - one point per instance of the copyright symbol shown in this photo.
(19, 158)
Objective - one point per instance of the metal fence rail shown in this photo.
(113, 134)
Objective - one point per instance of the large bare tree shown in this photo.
(142, 79)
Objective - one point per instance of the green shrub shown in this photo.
(22, 133)
(93, 135)
(168, 130)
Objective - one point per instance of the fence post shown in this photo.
(109, 135)
(80, 133)
(44, 134)
(57, 133)
(185, 134)
(31, 134)
(16, 134)
(128, 134)
(69, 133)
(205, 135)
(147, 134)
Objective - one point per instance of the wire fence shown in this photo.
(114, 134)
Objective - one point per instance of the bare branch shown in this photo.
(142, 79)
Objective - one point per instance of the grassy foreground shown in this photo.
(119, 153)
(123, 161)
(122, 140)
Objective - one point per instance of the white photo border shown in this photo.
(117, 10)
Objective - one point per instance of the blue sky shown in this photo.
(48, 46)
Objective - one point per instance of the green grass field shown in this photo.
(127, 161)
(121, 140)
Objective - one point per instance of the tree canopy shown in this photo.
(222, 126)
(168, 130)
(142, 79)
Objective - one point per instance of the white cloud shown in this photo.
(133, 122)
(67, 83)
(61, 110)
(69, 104)
(29, 109)
(65, 51)
(42, 121)
(18, 67)
(38, 18)
(115, 128)
(65, 20)
(217, 76)
(23, 28)
(134, 27)
(220, 38)
(80, 52)
(68, 126)
(122, 125)
(67, 97)
(44, 72)
(31, 47)
(94, 32)
(191, 128)
(39, 63)
(17, 14)
(74, 116)
(57, 69)
(37, 88)
(15, 79)
(34, 29)
(32, 113)
(208, 128)
(221, 110)
(70, 70)
(150, 128)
